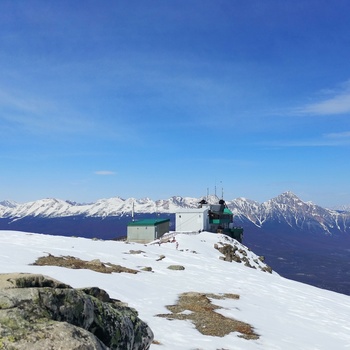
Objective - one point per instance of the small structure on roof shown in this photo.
(147, 230)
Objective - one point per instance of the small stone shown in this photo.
(136, 251)
(147, 268)
(176, 267)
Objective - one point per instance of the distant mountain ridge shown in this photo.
(287, 210)
(291, 213)
(116, 206)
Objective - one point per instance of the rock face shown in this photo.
(232, 253)
(37, 312)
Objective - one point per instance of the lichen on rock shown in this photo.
(36, 311)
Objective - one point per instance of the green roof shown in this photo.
(148, 222)
(227, 211)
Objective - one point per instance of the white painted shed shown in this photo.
(192, 219)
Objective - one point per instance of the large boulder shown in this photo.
(38, 312)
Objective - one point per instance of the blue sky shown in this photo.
(161, 98)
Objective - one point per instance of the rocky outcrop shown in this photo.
(37, 312)
(72, 262)
(229, 253)
(232, 253)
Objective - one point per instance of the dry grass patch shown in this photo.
(75, 263)
(198, 308)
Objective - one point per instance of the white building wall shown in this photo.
(192, 220)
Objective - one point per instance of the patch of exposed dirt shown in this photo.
(198, 308)
(72, 262)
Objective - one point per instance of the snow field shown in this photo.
(287, 315)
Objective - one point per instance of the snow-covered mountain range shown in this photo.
(116, 206)
(286, 210)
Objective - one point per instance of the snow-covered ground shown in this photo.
(286, 314)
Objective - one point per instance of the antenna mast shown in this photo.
(133, 211)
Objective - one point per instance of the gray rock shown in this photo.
(56, 336)
(229, 252)
(37, 312)
(147, 268)
(176, 267)
(136, 252)
(266, 268)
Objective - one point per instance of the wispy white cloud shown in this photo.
(37, 115)
(337, 103)
(333, 139)
(325, 140)
(22, 112)
(22, 103)
(104, 172)
(338, 135)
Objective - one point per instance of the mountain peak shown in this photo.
(9, 204)
(288, 194)
(287, 197)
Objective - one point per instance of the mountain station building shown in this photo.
(188, 220)
(147, 230)
(216, 218)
